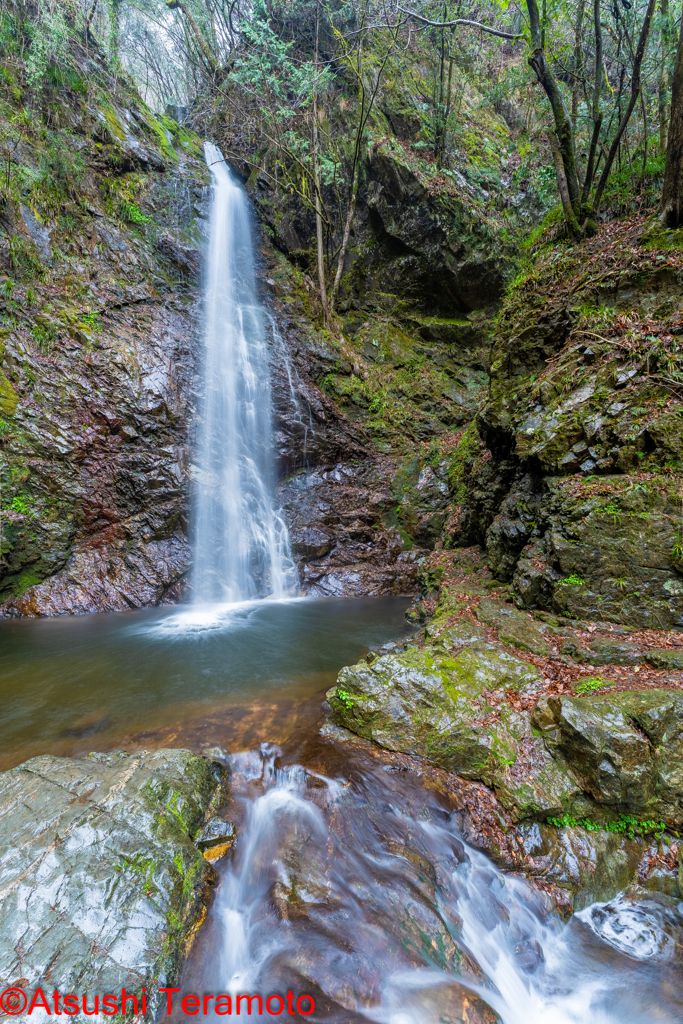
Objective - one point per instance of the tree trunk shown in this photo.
(672, 195)
(635, 92)
(569, 215)
(204, 48)
(597, 113)
(316, 183)
(578, 28)
(664, 36)
(564, 129)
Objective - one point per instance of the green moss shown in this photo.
(159, 134)
(116, 129)
(8, 397)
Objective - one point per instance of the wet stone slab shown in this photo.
(101, 885)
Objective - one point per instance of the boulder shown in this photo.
(102, 885)
(626, 749)
(435, 704)
(590, 866)
(515, 628)
(665, 658)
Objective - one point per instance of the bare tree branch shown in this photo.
(462, 21)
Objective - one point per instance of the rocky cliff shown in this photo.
(103, 213)
(101, 229)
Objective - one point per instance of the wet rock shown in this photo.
(514, 627)
(414, 244)
(187, 261)
(602, 745)
(604, 652)
(658, 870)
(534, 784)
(626, 749)
(97, 382)
(103, 886)
(589, 865)
(434, 705)
(312, 542)
(216, 838)
(342, 543)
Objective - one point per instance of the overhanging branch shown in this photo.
(462, 21)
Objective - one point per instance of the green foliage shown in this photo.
(21, 504)
(574, 580)
(591, 685)
(91, 321)
(345, 698)
(268, 68)
(625, 824)
(132, 213)
(50, 37)
(45, 335)
(677, 549)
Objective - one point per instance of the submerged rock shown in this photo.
(102, 885)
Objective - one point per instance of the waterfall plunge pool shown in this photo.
(187, 676)
(350, 880)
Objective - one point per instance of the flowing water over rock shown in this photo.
(241, 543)
(356, 888)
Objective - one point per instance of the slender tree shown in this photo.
(672, 194)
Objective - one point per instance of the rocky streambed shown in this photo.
(491, 745)
(574, 728)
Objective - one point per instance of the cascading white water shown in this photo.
(364, 894)
(241, 542)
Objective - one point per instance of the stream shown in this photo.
(350, 883)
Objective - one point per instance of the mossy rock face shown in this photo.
(97, 351)
(626, 749)
(427, 702)
(8, 396)
(515, 628)
(598, 549)
(102, 848)
(535, 784)
(591, 866)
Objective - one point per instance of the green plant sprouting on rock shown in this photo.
(625, 824)
(591, 685)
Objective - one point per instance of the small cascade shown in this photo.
(242, 546)
(364, 894)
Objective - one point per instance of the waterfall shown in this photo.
(241, 542)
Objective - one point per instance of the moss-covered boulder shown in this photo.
(627, 749)
(436, 704)
(102, 884)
